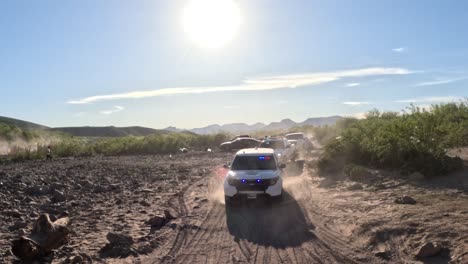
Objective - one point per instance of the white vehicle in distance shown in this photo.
(254, 172)
(281, 147)
(300, 141)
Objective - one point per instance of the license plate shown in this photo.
(252, 196)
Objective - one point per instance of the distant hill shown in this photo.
(20, 123)
(112, 131)
(241, 128)
(109, 131)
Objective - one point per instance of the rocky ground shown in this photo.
(169, 209)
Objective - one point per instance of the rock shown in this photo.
(57, 186)
(58, 196)
(86, 184)
(157, 221)
(17, 225)
(384, 255)
(168, 215)
(355, 187)
(33, 214)
(37, 190)
(429, 250)
(22, 232)
(119, 239)
(145, 203)
(12, 213)
(405, 200)
(76, 260)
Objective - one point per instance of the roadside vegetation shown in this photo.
(67, 146)
(10, 132)
(414, 141)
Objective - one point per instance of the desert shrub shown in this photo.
(357, 173)
(415, 141)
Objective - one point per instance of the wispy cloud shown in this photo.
(437, 82)
(352, 84)
(357, 103)
(253, 84)
(400, 49)
(432, 99)
(113, 110)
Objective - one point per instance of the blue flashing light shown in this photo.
(243, 180)
(258, 180)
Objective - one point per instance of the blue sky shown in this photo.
(288, 59)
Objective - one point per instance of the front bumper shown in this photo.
(246, 189)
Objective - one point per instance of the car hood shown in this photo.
(279, 151)
(254, 174)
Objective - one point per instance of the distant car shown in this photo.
(242, 136)
(300, 141)
(254, 172)
(281, 147)
(240, 143)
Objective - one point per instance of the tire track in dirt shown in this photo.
(259, 232)
(181, 236)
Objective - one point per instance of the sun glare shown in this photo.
(211, 23)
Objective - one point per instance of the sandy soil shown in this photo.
(319, 221)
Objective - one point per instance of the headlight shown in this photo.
(273, 181)
(230, 178)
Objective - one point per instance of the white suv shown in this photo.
(281, 147)
(254, 172)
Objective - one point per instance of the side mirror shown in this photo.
(227, 165)
(282, 166)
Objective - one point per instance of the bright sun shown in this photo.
(211, 23)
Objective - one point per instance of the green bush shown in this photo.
(152, 144)
(415, 141)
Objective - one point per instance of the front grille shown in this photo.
(252, 185)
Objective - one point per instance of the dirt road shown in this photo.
(318, 222)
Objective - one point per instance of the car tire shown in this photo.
(228, 201)
(279, 198)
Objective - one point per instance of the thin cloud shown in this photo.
(432, 99)
(114, 110)
(356, 103)
(400, 49)
(352, 84)
(253, 84)
(439, 82)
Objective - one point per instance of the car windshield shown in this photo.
(254, 163)
(295, 136)
(274, 144)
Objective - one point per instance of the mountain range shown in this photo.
(241, 128)
(112, 131)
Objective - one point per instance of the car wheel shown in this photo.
(279, 198)
(228, 201)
